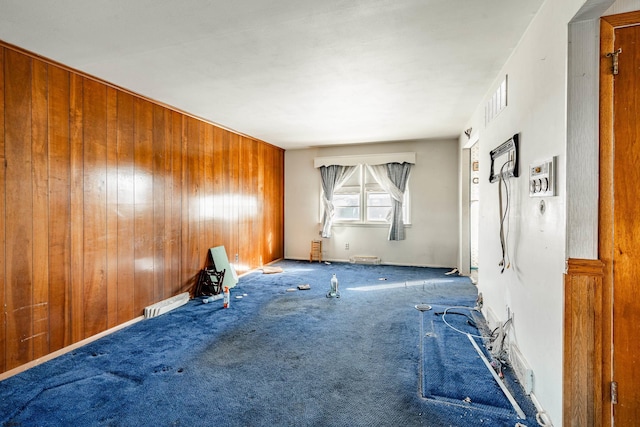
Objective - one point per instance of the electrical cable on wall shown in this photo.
(504, 217)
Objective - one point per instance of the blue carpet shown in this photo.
(453, 371)
(278, 358)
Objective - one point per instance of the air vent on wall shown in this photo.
(167, 305)
(496, 103)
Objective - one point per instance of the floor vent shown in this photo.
(521, 368)
(167, 305)
(365, 260)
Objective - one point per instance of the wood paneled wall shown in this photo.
(583, 342)
(109, 203)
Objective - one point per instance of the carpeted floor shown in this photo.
(279, 358)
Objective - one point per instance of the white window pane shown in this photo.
(346, 200)
(378, 199)
(351, 213)
(378, 213)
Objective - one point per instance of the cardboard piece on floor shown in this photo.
(221, 262)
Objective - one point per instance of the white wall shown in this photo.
(532, 288)
(623, 6)
(432, 238)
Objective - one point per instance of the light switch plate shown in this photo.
(542, 178)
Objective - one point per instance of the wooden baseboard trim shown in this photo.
(65, 350)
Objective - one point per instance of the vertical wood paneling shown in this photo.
(175, 239)
(207, 231)
(59, 211)
(143, 194)
(202, 195)
(126, 209)
(257, 223)
(112, 207)
(226, 238)
(40, 177)
(159, 154)
(267, 209)
(3, 317)
(218, 186)
(247, 200)
(234, 202)
(94, 210)
(193, 260)
(279, 194)
(19, 219)
(114, 202)
(77, 208)
(247, 205)
(583, 342)
(167, 289)
(185, 270)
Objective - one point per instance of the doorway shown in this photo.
(474, 209)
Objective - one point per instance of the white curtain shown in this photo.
(393, 178)
(333, 177)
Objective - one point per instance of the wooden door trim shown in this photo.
(608, 25)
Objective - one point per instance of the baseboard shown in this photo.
(65, 350)
(383, 262)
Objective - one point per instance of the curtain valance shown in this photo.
(368, 159)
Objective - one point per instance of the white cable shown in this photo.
(504, 215)
(507, 185)
(444, 313)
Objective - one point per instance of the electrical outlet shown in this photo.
(237, 257)
(346, 246)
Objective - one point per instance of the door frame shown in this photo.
(608, 25)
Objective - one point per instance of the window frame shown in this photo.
(363, 189)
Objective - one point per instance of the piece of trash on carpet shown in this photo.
(382, 278)
(291, 290)
(272, 270)
(449, 273)
(304, 287)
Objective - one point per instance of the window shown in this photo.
(378, 206)
(347, 205)
(363, 201)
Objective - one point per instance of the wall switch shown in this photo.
(542, 177)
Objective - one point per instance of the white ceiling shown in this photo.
(295, 73)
